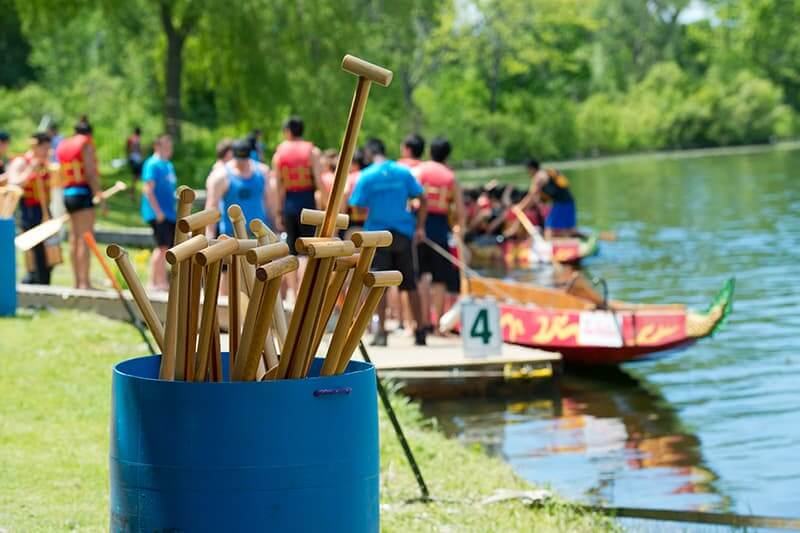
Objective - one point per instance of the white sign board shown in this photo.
(599, 328)
(480, 327)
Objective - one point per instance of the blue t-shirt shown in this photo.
(162, 174)
(384, 188)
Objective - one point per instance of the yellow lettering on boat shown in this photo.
(557, 328)
(514, 325)
(652, 333)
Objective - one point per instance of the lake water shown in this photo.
(715, 427)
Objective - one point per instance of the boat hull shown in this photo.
(593, 337)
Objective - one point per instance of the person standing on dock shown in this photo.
(242, 181)
(158, 207)
(224, 153)
(30, 171)
(443, 195)
(5, 139)
(133, 150)
(297, 170)
(80, 179)
(384, 188)
(411, 150)
(550, 184)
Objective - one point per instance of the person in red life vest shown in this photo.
(30, 171)
(328, 162)
(412, 149)
(133, 149)
(443, 194)
(80, 179)
(297, 168)
(5, 138)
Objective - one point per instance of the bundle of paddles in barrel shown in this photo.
(262, 346)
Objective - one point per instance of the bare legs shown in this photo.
(158, 269)
(416, 309)
(82, 221)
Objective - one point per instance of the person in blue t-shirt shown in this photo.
(158, 207)
(385, 188)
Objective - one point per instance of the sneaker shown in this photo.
(379, 339)
(419, 337)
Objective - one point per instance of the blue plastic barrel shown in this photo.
(288, 455)
(8, 268)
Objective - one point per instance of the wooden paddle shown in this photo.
(45, 230)
(368, 242)
(180, 256)
(377, 283)
(183, 209)
(211, 259)
(9, 197)
(120, 256)
(315, 279)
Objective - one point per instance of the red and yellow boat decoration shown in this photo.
(524, 254)
(585, 330)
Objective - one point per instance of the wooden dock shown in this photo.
(440, 369)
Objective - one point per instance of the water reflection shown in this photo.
(600, 439)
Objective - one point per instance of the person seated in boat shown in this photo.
(536, 213)
(550, 185)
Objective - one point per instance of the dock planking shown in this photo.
(440, 369)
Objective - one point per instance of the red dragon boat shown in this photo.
(586, 330)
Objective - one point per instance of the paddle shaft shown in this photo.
(89, 238)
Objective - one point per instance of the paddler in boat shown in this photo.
(443, 195)
(550, 184)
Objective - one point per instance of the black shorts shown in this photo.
(294, 230)
(78, 202)
(136, 168)
(440, 269)
(397, 256)
(163, 232)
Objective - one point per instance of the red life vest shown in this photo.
(440, 186)
(30, 191)
(408, 162)
(294, 165)
(358, 215)
(70, 156)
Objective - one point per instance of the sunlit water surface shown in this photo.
(715, 427)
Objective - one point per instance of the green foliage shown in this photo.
(502, 78)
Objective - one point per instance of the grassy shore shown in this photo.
(55, 386)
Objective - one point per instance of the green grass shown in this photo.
(62, 274)
(55, 385)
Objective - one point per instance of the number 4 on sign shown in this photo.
(480, 328)
(480, 331)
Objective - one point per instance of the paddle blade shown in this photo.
(40, 233)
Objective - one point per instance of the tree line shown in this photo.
(502, 78)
